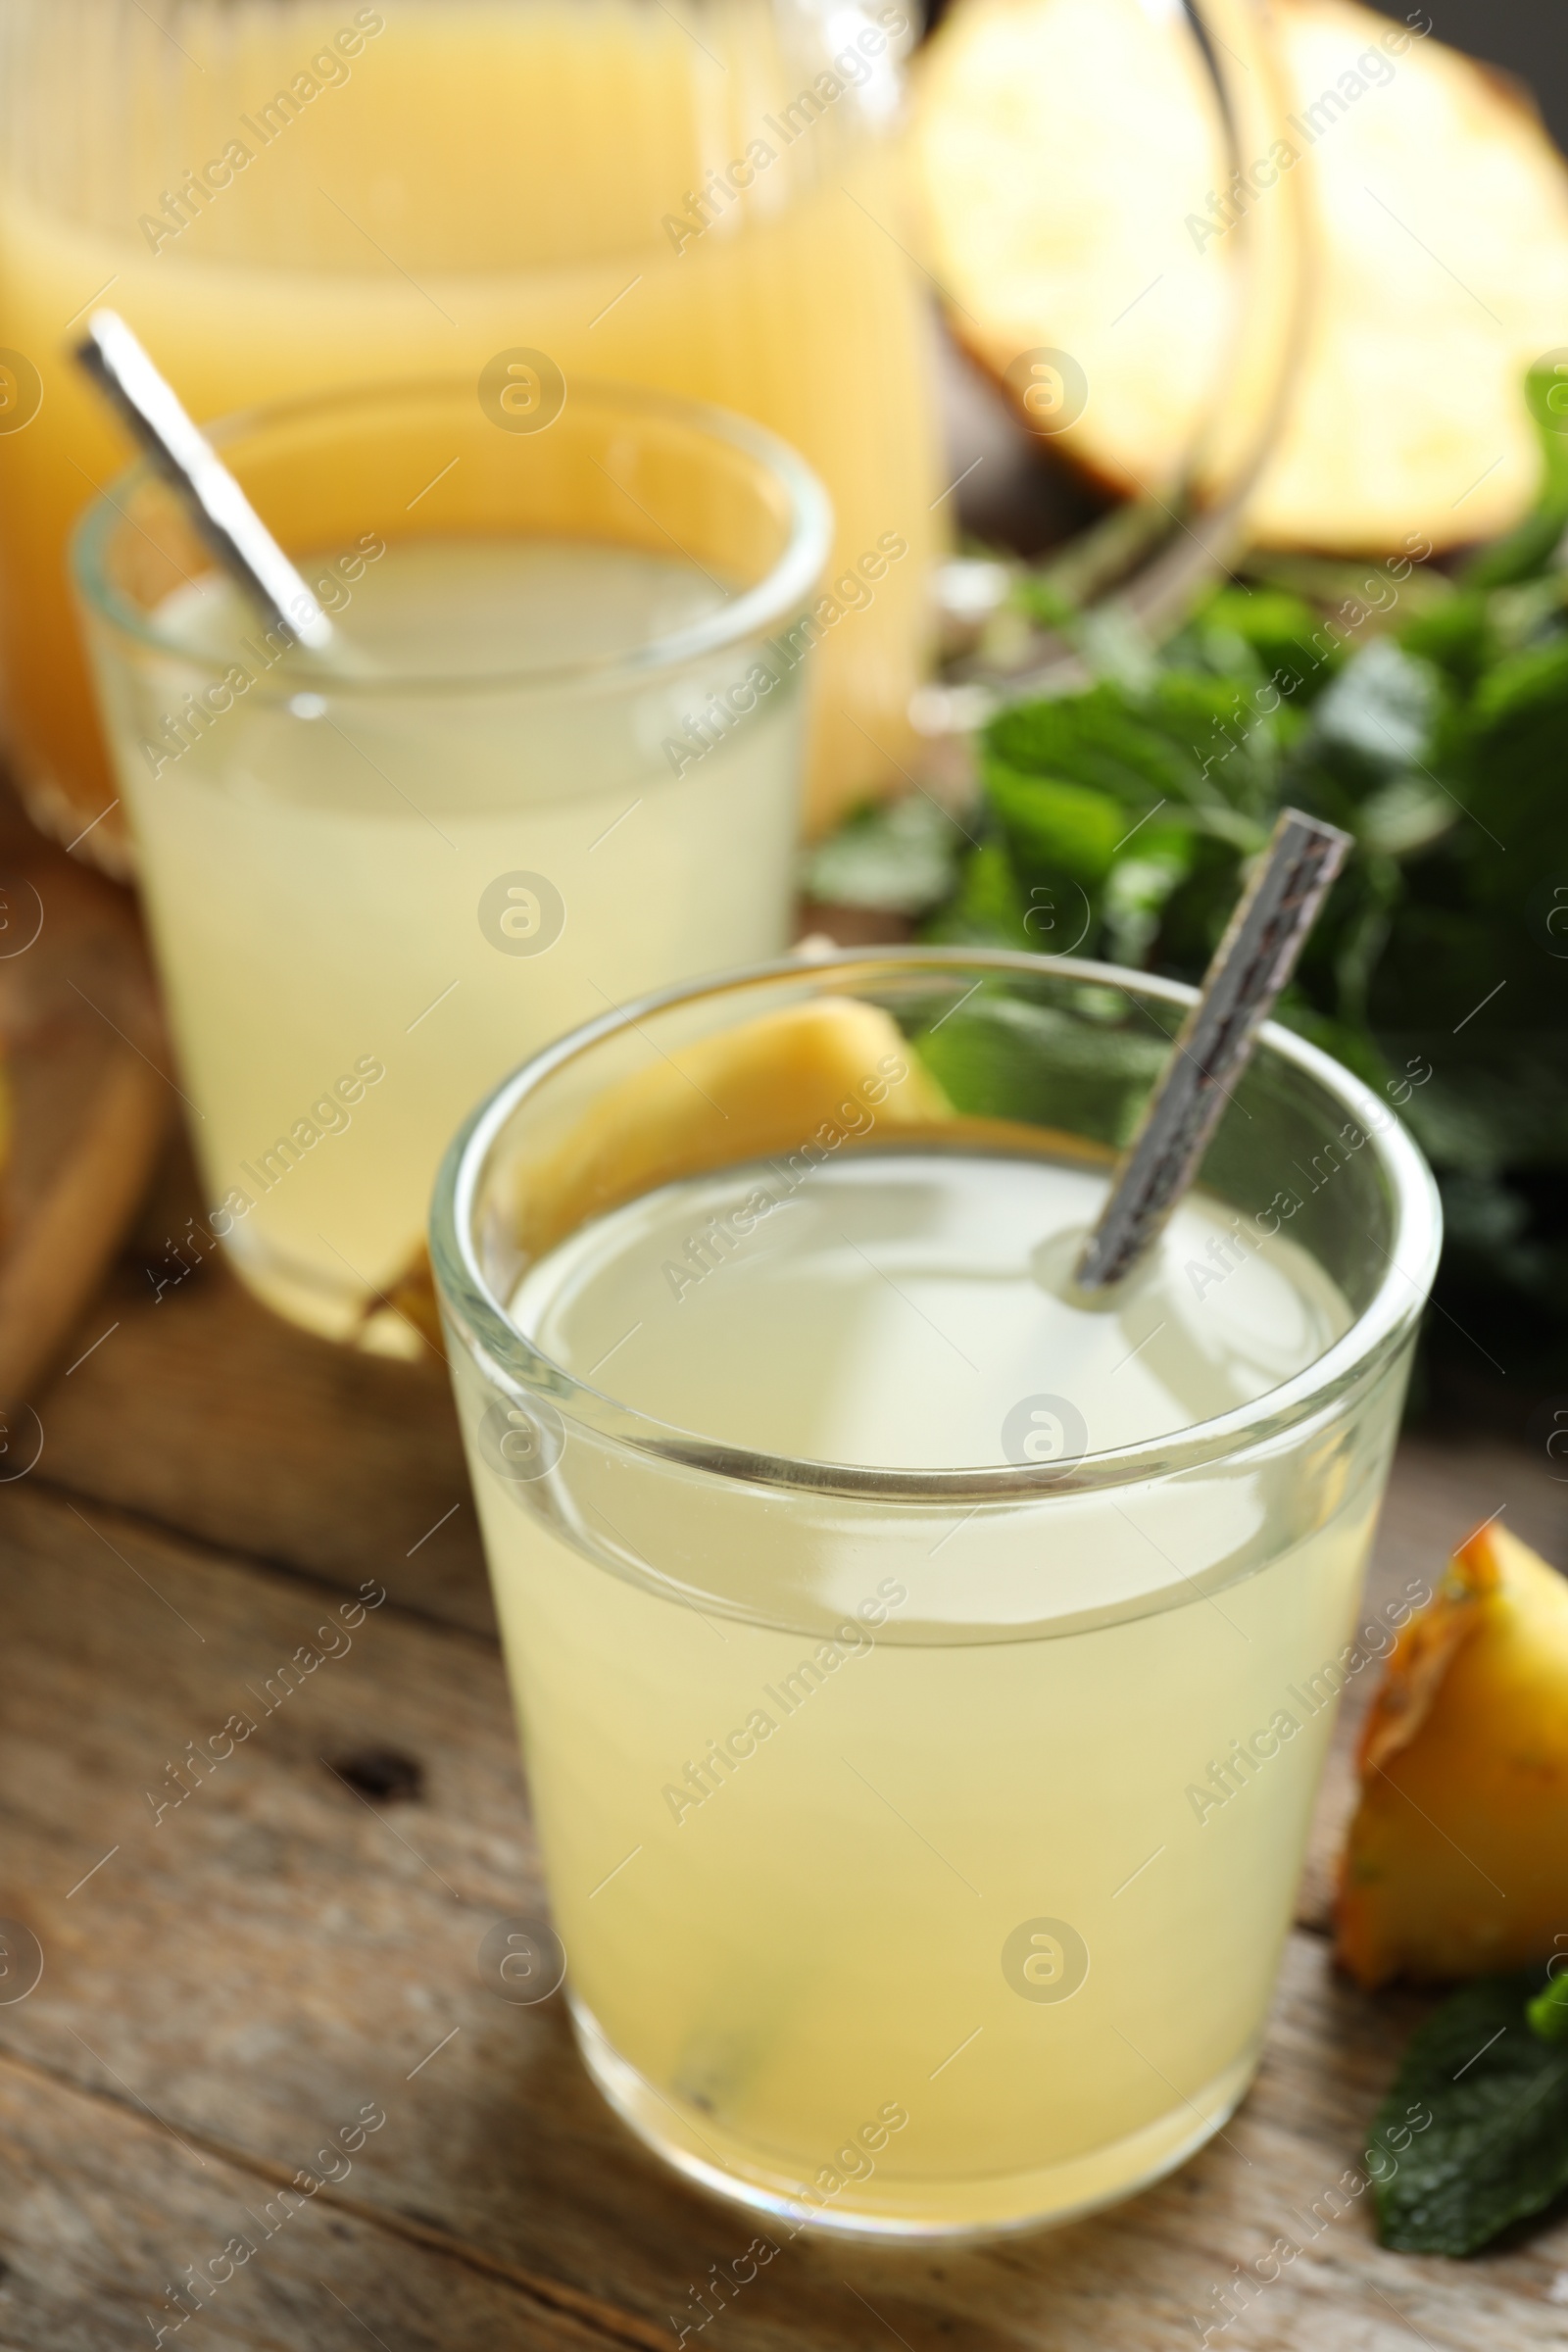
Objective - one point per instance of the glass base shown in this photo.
(992, 2205)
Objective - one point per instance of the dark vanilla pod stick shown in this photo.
(1215, 1043)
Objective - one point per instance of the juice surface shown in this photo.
(478, 176)
(467, 608)
(327, 879)
(896, 1307)
(888, 1896)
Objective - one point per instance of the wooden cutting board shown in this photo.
(91, 1101)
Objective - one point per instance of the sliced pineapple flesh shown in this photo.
(1073, 175)
(1456, 1859)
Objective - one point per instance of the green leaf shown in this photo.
(1528, 612)
(1406, 814)
(1000, 1058)
(1140, 887)
(1548, 2011)
(1428, 719)
(1101, 739)
(900, 855)
(1342, 1039)
(1456, 635)
(1522, 553)
(989, 909)
(1235, 742)
(1055, 826)
(1283, 632)
(1380, 709)
(1199, 747)
(1496, 2150)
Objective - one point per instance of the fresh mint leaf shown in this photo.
(1409, 813)
(998, 1059)
(1099, 739)
(1055, 826)
(989, 908)
(1237, 741)
(1522, 553)
(1527, 612)
(1548, 2012)
(1496, 2150)
(1456, 635)
(1137, 890)
(900, 855)
(1283, 633)
(1380, 708)
(1426, 717)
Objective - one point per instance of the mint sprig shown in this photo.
(1496, 2084)
(1424, 711)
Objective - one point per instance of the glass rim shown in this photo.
(782, 591)
(515, 1366)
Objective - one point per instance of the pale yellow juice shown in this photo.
(367, 911)
(412, 190)
(936, 1881)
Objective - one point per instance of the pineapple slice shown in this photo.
(818, 1074)
(808, 1079)
(1456, 1861)
(1073, 176)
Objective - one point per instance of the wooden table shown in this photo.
(295, 1945)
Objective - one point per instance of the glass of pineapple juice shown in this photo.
(916, 1663)
(563, 767)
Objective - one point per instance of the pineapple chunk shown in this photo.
(1456, 1860)
(821, 1072)
(818, 1074)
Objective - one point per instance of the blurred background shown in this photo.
(1524, 37)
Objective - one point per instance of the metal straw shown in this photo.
(1215, 1043)
(222, 514)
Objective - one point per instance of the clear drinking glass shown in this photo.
(564, 767)
(922, 1838)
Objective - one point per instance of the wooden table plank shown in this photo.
(208, 1414)
(277, 1951)
(105, 2214)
